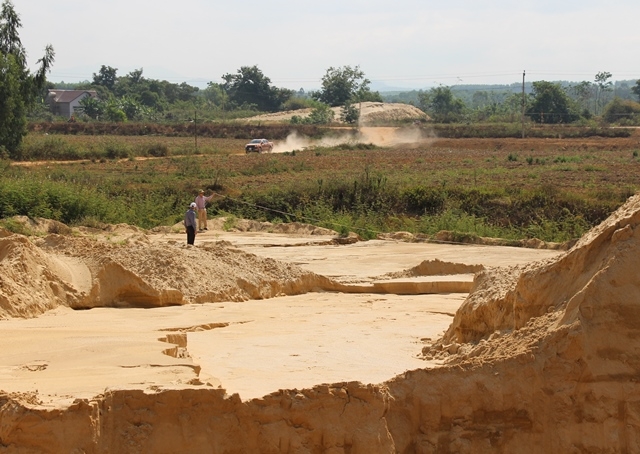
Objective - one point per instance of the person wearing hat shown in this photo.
(201, 205)
(190, 223)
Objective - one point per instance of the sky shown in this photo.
(408, 44)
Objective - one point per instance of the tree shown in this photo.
(249, 87)
(346, 84)
(551, 104)
(151, 99)
(106, 77)
(135, 76)
(636, 89)
(583, 92)
(441, 104)
(13, 121)
(19, 88)
(322, 114)
(216, 95)
(603, 85)
(621, 110)
(92, 107)
(349, 113)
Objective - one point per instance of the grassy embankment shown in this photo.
(505, 188)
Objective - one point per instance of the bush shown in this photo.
(49, 148)
(15, 226)
(297, 103)
(157, 150)
(620, 110)
(116, 150)
(421, 200)
(321, 115)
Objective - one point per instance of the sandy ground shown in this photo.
(287, 338)
(252, 347)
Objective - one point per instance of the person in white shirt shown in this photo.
(201, 205)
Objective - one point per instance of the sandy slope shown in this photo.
(541, 356)
(370, 113)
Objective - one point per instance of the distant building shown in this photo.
(66, 103)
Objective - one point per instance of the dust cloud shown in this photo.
(378, 136)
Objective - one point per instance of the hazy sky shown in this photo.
(397, 43)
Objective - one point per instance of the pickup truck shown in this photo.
(258, 146)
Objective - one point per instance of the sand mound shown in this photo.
(84, 272)
(28, 286)
(296, 228)
(41, 226)
(370, 113)
(508, 299)
(436, 267)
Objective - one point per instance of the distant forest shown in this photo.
(477, 95)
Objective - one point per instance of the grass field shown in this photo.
(552, 189)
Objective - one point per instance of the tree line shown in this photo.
(542, 102)
(246, 92)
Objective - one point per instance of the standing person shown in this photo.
(201, 203)
(190, 223)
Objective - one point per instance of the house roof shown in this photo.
(61, 96)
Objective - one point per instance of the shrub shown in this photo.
(157, 150)
(47, 148)
(15, 226)
(621, 109)
(421, 200)
(116, 150)
(297, 103)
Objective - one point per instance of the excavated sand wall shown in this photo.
(342, 418)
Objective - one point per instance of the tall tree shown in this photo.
(604, 85)
(19, 88)
(106, 77)
(583, 93)
(216, 95)
(343, 85)
(551, 104)
(250, 87)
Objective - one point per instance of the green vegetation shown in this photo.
(18, 86)
(551, 104)
(621, 111)
(504, 192)
(320, 115)
(547, 102)
(442, 105)
(250, 88)
(345, 85)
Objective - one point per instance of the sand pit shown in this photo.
(296, 342)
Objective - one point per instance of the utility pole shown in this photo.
(523, 103)
(195, 129)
